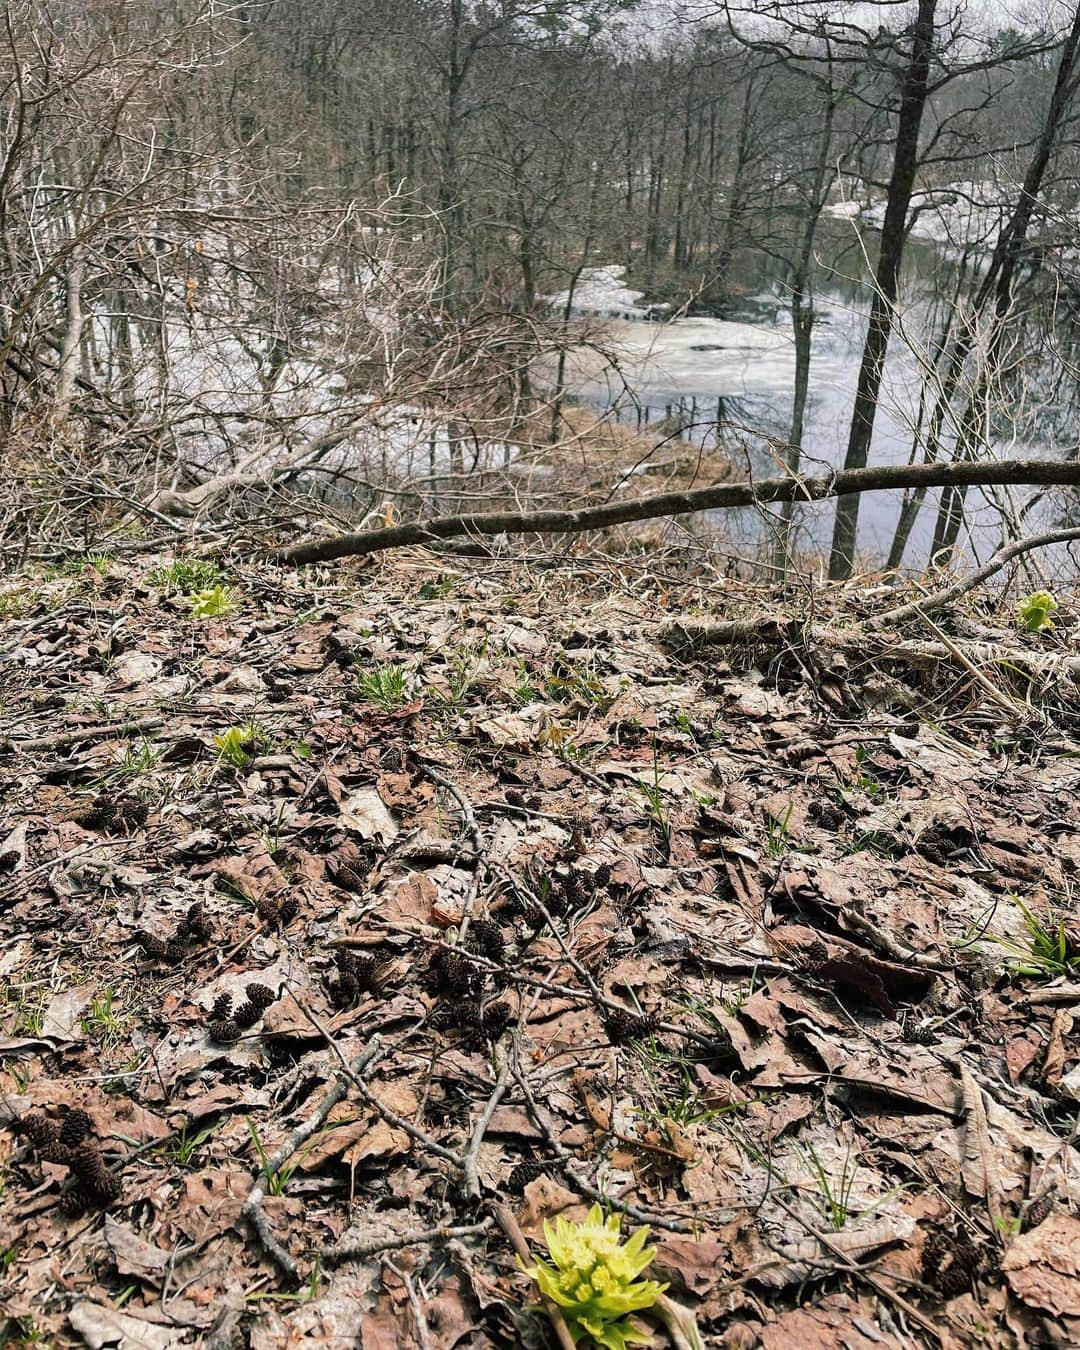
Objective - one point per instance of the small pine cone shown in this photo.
(43, 1133)
(364, 970)
(450, 971)
(602, 877)
(571, 889)
(624, 1026)
(344, 991)
(1039, 1211)
(442, 1017)
(950, 1263)
(75, 1203)
(222, 1008)
(223, 1030)
(269, 909)
(496, 1018)
(485, 937)
(514, 798)
(534, 917)
(290, 908)
(196, 926)
(350, 873)
(259, 996)
(246, 1016)
(130, 814)
(920, 1034)
(815, 956)
(89, 1166)
(153, 946)
(98, 815)
(75, 1127)
(523, 1173)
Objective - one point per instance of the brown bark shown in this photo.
(721, 497)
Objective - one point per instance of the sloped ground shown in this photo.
(745, 940)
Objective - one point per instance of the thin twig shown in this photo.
(251, 1209)
(423, 1332)
(470, 1162)
(355, 1251)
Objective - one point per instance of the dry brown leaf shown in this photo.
(1043, 1266)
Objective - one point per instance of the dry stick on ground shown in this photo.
(423, 1331)
(356, 1251)
(471, 1161)
(251, 1210)
(76, 734)
(1038, 472)
(566, 1158)
(510, 1227)
(948, 594)
(391, 1117)
(473, 829)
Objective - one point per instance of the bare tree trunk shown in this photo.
(913, 99)
(71, 340)
(1000, 280)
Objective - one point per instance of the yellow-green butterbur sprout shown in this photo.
(1035, 611)
(594, 1279)
(213, 603)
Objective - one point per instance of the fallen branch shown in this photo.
(346, 1250)
(844, 482)
(949, 594)
(251, 1210)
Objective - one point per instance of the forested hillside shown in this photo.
(538, 611)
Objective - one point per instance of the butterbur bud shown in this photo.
(593, 1278)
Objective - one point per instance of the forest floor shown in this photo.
(411, 904)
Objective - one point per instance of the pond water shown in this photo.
(730, 381)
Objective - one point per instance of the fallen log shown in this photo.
(722, 496)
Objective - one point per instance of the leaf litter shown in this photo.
(507, 898)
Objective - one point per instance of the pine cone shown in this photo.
(130, 814)
(496, 1018)
(815, 956)
(485, 937)
(259, 996)
(350, 873)
(223, 1030)
(462, 1014)
(290, 908)
(152, 945)
(451, 972)
(950, 1263)
(916, 1034)
(222, 1008)
(602, 877)
(196, 926)
(268, 909)
(75, 1127)
(1039, 1211)
(39, 1130)
(89, 1166)
(76, 1202)
(98, 815)
(623, 1026)
(344, 991)
(523, 1173)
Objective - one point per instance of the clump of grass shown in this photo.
(384, 686)
(1048, 951)
(185, 576)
